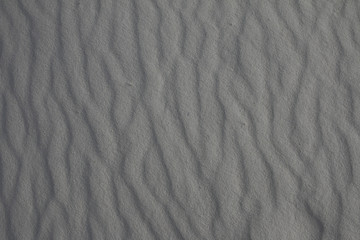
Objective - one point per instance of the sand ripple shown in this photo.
(159, 119)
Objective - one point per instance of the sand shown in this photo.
(170, 119)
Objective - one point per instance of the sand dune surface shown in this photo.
(180, 119)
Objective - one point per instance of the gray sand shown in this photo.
(170, 119)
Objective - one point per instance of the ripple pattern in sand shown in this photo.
(174, 119)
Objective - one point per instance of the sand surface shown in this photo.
(174, 119)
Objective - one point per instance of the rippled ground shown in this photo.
(169, 119)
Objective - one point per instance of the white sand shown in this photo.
(170, 119)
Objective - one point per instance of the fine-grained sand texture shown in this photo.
(180, 119)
